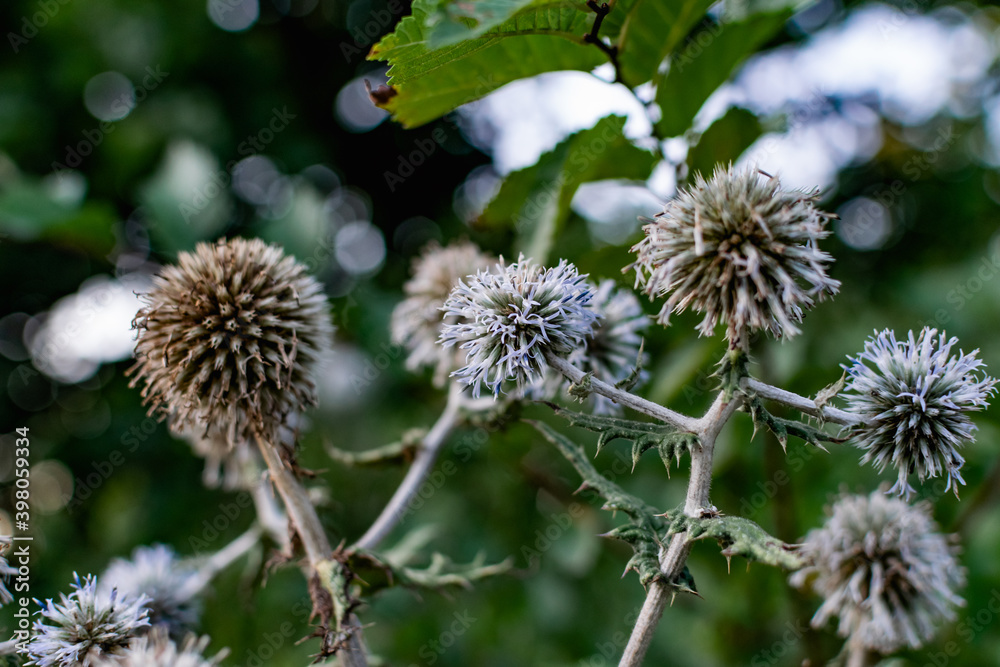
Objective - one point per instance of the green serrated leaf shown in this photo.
(378, 573)
(642, 533)
(536, 200)
(732, 369)
(737, 537)
(457, 20)
(651, 32)
(644, 435)
(426, 84)
(782, 428)
(724, 141)
(633, 376)
(696, 72)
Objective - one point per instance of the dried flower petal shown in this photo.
(157, 650)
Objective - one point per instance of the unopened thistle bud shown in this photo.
(883, 570)
(739, 250)
(228, 338)
(914, 396)
(512, 315)
(417, 320)
(85, 626)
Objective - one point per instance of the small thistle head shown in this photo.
(85, 626)
(914, 396)
(5, 571)
(509, 317)
(883, 570)
(417, 320)
(737, 249)
(228, 337)
(156, 649)
(158, 573)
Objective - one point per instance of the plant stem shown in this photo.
(315, 544)
(654, 410)
(673, 559)
(415, 476)
(269, 515)
(800, 403)
(859, 655)
(220, 560)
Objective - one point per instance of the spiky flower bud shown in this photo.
(85, 626)
(417, 320)
(913, 396)
(227, 339)
(510, 316)
(883, 570)
(5, 571)
(158, 573)
(739, 250)
(611, 350)
(157, 650)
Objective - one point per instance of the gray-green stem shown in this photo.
(674, 557)
(430, 447)
(220, 560)
(800, 403)
(315, 543)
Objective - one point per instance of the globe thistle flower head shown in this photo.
(417, 320)
(227, 339)
(5, 571)
(512, 315)
(611, 350)
(915, 396)
(158, 573)
(739, 250)
(85, 626)
(883, 570)
(156, 649)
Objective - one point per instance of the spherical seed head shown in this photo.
(156, 649)
(512, 315)
(914, 396)
(85, 626)
(417, 320)
(227, 339)
(158, 573)
(740, 250)
(883, 570)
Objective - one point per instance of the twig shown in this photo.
(654, 410)
(672, 559)
(315, 544)
(800, 403)
(422, 464)
(591, 37)
(220, 560)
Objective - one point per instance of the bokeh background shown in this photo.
(130, 130)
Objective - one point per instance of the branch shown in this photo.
(220, 560)
(329, 573)
(674, 558)
(591, 37)
(800, 403)
(654, 410)
(422, 464)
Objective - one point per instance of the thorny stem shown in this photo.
(592, 37)
(314, 542)
(800, 403)
(654, 410)
(422, 464)
(220, 560)
(672, 559)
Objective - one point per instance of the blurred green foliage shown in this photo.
(512, 493)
